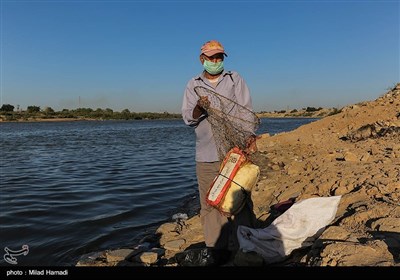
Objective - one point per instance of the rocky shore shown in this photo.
(354, 153)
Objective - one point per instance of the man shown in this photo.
(219, 231)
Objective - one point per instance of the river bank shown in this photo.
(354, 154)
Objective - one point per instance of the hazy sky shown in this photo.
(139, 55)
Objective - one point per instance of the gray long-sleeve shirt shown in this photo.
(230, 85)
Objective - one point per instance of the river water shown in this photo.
(70, 188)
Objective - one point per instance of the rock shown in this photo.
(147, 257)
(373, 253)
(119, 255)
(174, 245)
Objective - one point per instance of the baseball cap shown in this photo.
(212, 47)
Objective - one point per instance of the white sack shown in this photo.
(298, 227)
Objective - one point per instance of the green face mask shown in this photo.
(213, 67)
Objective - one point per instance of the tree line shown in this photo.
(7, 113)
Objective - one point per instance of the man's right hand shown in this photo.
(203, 102)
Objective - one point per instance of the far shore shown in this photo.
(50, 120)
(309, 112)
(59, 120)
(270, 115)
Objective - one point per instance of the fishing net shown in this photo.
(232, 124)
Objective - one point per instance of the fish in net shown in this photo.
(232, 124)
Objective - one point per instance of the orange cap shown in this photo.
(212, 47)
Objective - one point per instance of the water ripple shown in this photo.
(71, 188)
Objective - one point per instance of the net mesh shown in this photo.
(232, 124)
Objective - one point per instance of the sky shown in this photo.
(139, 55)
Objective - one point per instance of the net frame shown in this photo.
(232, 124)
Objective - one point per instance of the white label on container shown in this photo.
(223, 177)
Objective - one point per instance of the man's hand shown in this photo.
(203, 102)
(251, 145)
